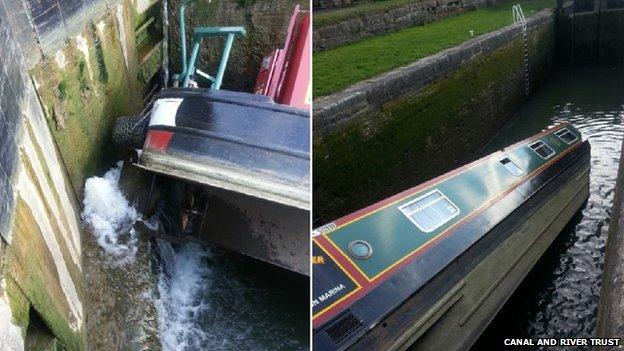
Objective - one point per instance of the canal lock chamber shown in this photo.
(408, 125)
(74, 271)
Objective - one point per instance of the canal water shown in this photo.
(559, 297)
(206, 298)
(214, 300)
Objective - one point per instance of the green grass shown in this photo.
(343, 66)
(336, 16)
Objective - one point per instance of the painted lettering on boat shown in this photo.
(333, 291)
(318, 260)
(324, 229)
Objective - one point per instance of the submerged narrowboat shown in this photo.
(428, 268)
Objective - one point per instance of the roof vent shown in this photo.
(343, 328)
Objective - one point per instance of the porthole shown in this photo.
(360, 249)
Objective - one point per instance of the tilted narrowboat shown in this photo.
(240, 161)
(428, 268)
(245, 169)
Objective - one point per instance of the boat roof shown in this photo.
(236, 141)
(356, 253)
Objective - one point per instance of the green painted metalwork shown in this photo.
(183, 35)
(393, 236)
(189, 64)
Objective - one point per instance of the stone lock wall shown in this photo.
(40, 258)
(413, 13)
(84, 86)
(331, 4)
(394, 131)
(266, 23)
(68, 68)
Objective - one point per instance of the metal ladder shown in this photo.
(519, 18)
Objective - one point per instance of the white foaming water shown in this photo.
(111, 216)
(206, 299)
(211, 301)
(182, 287)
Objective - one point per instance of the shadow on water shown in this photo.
(559, 297)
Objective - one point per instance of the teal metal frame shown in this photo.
(189, 64)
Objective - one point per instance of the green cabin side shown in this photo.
(393, 236)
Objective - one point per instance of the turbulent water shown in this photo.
(207, 298)
(560, 296)
(111, 216)
(210, 300)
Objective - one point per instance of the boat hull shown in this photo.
(457, 319)
(231, 140)
(245, 167)
(262, 229)
(432, 288)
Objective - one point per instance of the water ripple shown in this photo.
(560, 296)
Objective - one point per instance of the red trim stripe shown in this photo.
(406, 193)
(367, 286)
(322, 241)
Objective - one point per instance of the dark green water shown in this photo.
(559, 297)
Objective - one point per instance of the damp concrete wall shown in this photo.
(396, 130)
(266, 23)
(360, 26)
(68, 68)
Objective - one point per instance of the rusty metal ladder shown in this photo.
(519, 18)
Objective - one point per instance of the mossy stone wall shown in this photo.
(86, 85)
(414, 137)
(62, 95)
(37, 279)
(266, 23)
(361, 26)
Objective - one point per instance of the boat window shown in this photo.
(567, 136)
(511, 167)
(430, 211)
(543, 150)
(360, 249)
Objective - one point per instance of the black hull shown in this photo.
(388, 313)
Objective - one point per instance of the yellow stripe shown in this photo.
(504, 151)
(405, 197)
(358, 286)
(444, 232)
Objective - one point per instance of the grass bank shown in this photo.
(339, 15)
(341, 67)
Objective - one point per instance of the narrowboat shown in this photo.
(240, 161)
(428, 268)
